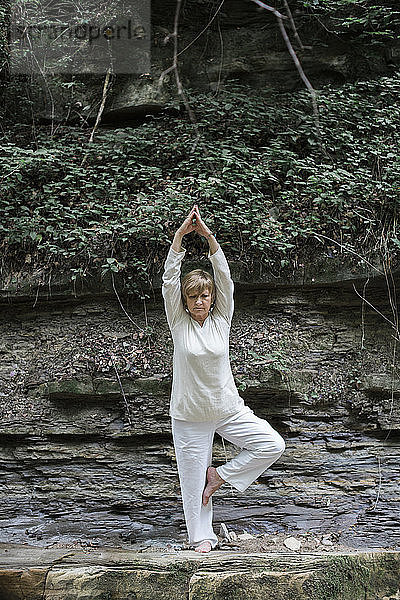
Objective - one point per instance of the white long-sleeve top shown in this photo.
(203, 388)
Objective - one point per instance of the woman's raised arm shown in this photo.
(224, 304)
(171, 286)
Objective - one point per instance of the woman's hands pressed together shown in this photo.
(187, 225)
(198, 225)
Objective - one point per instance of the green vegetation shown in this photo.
(272, 189)
(258, 173)
(372, 20)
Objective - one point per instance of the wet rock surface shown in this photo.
(314, 361)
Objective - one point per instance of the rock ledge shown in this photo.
(33, 573)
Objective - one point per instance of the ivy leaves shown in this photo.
(257, 172)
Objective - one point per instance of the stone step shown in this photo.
(33, 573)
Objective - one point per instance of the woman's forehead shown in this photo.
(198, 288)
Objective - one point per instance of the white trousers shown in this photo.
(261, 446)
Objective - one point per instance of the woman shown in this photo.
(204, 397)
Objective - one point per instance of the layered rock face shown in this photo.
(238, 42)
(78, 462)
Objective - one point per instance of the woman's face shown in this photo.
(199, 304)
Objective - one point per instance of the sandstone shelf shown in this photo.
(31, 573)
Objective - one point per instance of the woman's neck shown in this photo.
(200, 322)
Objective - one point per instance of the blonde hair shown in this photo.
(197, 281)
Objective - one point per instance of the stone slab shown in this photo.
(33, 573)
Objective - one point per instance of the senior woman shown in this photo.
(204, 397)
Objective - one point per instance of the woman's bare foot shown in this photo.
(203, 547)
(214, 481)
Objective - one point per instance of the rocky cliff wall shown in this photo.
(313, 359)
(238, 42)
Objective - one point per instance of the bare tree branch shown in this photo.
(270, 8)
(296, 61)
(347, 249)
(293, 25)
(128, 412)
(203, 30)
(121, 305)
(174, 68)
(301, 72)
(375, 309)
(103, 101)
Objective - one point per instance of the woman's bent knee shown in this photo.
(280, 445)
(275, 448)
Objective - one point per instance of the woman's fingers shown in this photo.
(198, 225)
(188, 225)
(190, 216)
(197, 213)
(200, 221)
(192, 213)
